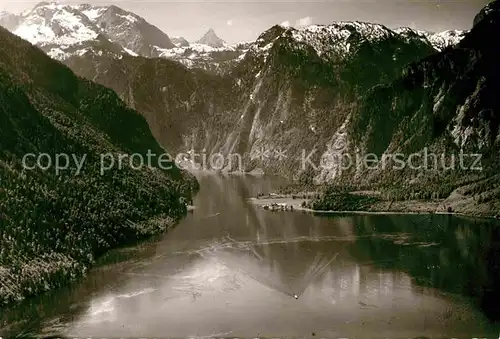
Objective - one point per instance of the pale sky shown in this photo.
(239, 20)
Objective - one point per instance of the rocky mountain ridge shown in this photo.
(445, 103)
(315, 88)
(290, 86)
(64, 31)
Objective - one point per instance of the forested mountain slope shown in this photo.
(53, 225)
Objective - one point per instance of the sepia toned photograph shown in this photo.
(250, 169)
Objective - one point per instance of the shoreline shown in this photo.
(413, 207)
(53, 271)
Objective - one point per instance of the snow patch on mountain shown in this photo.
(93, 12)
(61, 28)
(339, 40)
(57, 53)
(331, 42)
(128, 17)
(55, 25)
(439, 41)
(179, 41)
(205, 56)
(132, 53)
(63, 31)
(442, 40)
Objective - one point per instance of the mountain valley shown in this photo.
(383, 142)
(293, 91)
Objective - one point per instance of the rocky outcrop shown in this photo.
(292, 90)
(180, 42)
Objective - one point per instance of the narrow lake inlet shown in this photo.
(232, 269)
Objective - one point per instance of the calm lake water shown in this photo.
(231, 269)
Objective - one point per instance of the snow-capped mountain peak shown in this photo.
(439, 41)
(129, 30)
(331, 42)
(445, 39)
(91, 12)
(211, 39)
(65, 30)
(339, 41)
(55, 24)
(179, 41)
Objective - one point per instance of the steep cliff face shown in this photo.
(300, 86)
(452, 94)
(216, 60)
(180, 42)
(292, 90)
(177, 102)
(446, 102)
(296, 96)
(130, 31)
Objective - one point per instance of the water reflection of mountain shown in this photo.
(375, 253)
